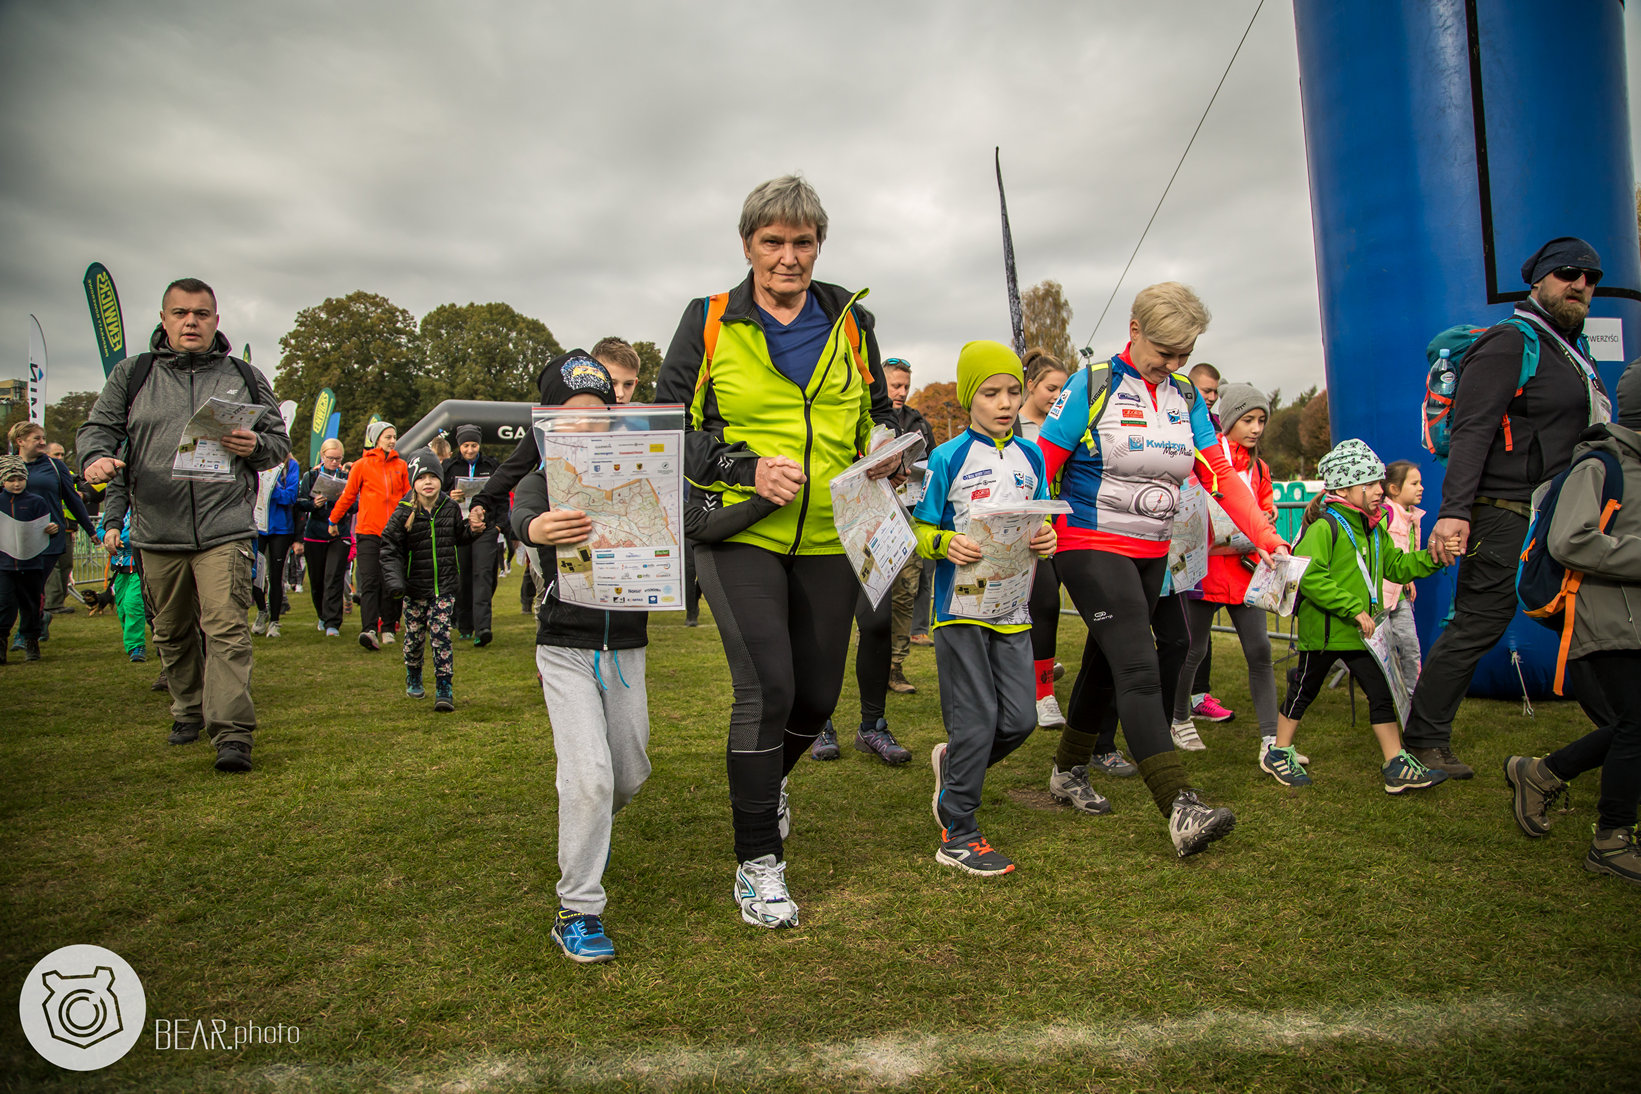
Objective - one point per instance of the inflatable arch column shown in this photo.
(1447, 140)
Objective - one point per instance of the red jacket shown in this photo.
(379, 480)
(1227, 580)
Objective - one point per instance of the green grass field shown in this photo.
(384, 882)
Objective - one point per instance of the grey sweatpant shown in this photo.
(1251, 624)
(601, 726)
(988, 701)
(1404, 640)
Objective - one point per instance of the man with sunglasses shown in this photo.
(1505, 442)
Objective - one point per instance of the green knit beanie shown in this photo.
(978, 362)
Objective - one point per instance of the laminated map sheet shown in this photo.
(1000, 583)
(624, 467)
(876, 535)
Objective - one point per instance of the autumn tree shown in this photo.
(1280, 446)
(1315, 438)
(938, 403)
(363, 347)
(1047, 317)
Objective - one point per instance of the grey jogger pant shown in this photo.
(988, 701)
(601, 726)
(1251, 624)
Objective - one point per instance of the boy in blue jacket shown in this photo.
(22, 579)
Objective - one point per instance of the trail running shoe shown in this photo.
(1282, 764)
(1270, 742)
(1535, 791)
(1613, 851)
(1113, 763)
(581, 936)
(369, 640)
(1403, 772)
(1071, 788)
(880, 741)
(826, 745)
(332, 632)
(413, 682)
(783, 813)
(138, 655)
(937, 760)
(319, 625)
(261, 625)
(974, 856)
(760, 890)
(1049, 713)
(1193, 825)
(1185, 736)
(184, 733)
(1212, 709)
(273, 630)
(389, 637)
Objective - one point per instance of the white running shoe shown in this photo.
(1048, 712)
(388, 637)
(783, 813)
(260, 625)
(1266, 743)
(273, 630)
(1185, 737)
(1193, 826)
(319, 625)
(760, 890)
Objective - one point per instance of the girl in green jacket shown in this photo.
(1348, 542)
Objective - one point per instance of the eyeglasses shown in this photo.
(1570, 274)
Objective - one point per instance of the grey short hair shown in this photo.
(786, 200)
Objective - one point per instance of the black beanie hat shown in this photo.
(575, 373)
(423, 462)
(465, 433)
(1559, 252)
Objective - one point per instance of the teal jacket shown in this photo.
(1332, 592)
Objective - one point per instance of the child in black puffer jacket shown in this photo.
(419, 564)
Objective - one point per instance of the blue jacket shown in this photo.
(282, 519)
(22, 508)
(52, 482)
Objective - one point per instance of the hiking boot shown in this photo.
(937, 760)
(1113, 763)
(444, 699)
(261, 624)
(1071, 788)
(581, 936)
(233, 756)
(1443, 759)
(826, 745)
(877, 738)
(1049, 713)
(161, 682)
(760, 890)
(413, 682)
(483, 638)
(273, 630)
(1405, 772)
(783, 813)
(1535, 791)
(1270, 742)
(898, 682)
(369, 640)
(31, 649)
(184, 733)
(1282, 764)
(1193, 825)
(1614, 851)
(1212, 709)
(974, 856)
(139, 655)
(1185, 736)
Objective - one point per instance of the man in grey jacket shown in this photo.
(195, 535)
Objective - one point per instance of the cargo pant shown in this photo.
(209, 591)
(903, 595)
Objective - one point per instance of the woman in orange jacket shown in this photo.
(378, 481)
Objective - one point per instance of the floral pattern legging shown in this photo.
(430, 619)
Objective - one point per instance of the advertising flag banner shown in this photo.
(323, 405)
(1016, 321)
(106, 323)
(36, 372)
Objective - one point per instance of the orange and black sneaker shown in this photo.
(974, 855)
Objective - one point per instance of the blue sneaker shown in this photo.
(1282, 764)
(413, 682)
(1403, 772)
(581, 936)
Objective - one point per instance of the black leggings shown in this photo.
(1614, 747)
(784, 622)
(1116, 596)
(1312, 673)
(872, 655)
(1169, 625)
(1045, 610)
(274, 549)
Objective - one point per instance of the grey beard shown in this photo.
(1568, 313)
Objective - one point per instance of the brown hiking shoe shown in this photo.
(1443, 759)
(1613, 851)
(161, 683)
(898, 682)
(1535, 791)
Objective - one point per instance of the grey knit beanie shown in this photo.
(1235, 400)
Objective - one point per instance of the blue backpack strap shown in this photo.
(1529, 351)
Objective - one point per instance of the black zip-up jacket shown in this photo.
(420, 561)
(316, 521)
(570, 625)
(1546, 419)
(909, 419)
(457, 468)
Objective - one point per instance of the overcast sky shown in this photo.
(586, 163)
